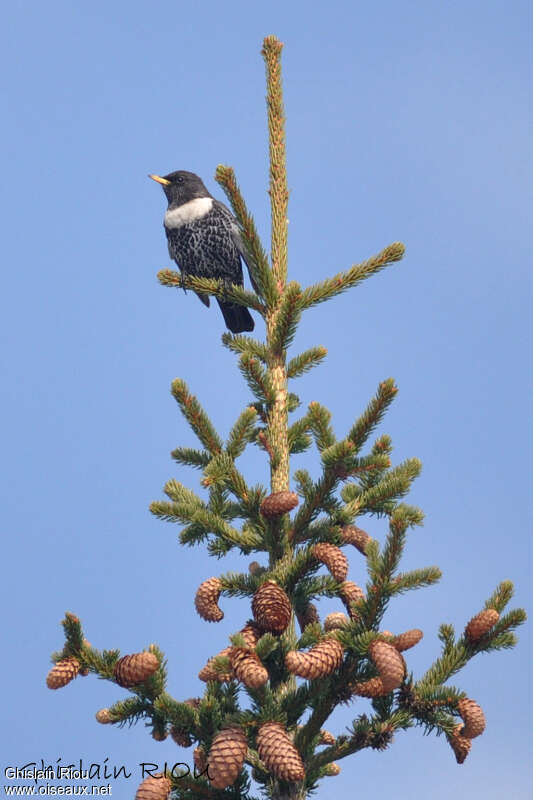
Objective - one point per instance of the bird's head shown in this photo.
(180, 187)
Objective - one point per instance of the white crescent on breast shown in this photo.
(188, 212)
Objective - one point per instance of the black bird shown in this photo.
(204, 240)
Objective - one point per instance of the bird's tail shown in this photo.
(237, 318)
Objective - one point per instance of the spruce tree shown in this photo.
(269, 692)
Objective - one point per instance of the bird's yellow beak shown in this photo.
(157, 178)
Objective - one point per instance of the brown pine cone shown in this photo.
(200, 759)
(278, 753)
(333, 558)
(103, 716)
(132, 670)
(371, 688)
(319, 661)
(208, 673)
(481, 624)
(408, 639)
(251, 633)
(279, 503)
(207, 598)
(180, 736)
(459, 744)
(473, 718)
(271, 607)
(332, 769)
(248, 668)
(159, 734)
(351, 534)
(389, 664)
(62, 672)
(156, 787)
(226, 757)
(327, 738)
(351, 593)
(308, 616)
(335, 620)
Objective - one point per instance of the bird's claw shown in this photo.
(226, 285)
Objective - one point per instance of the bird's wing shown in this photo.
(237, 237)
(170, 251)
(203, 297)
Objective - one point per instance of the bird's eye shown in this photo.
(179, 179)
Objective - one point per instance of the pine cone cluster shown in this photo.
(226, 757)
(62, 672)
(333, 558)
(351, 534)
(278, 503)
(271, 607)
(156, 787)
(474, 725)
(319, 661)
(278, 753)
(207, 598)
(481, 624)
(134, 669)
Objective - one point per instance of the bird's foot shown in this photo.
(226, 285)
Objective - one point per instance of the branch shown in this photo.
(223, 291)
(196, 416)
(257, 259)
(373, 414)
(238, 343)
(305, 361)
(279, 193)
(345, 280)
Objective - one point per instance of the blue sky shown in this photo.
(407, 121)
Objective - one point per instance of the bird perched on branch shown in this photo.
(204, 240)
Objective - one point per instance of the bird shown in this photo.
(204, 240)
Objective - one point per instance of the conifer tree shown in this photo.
(270, 689)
